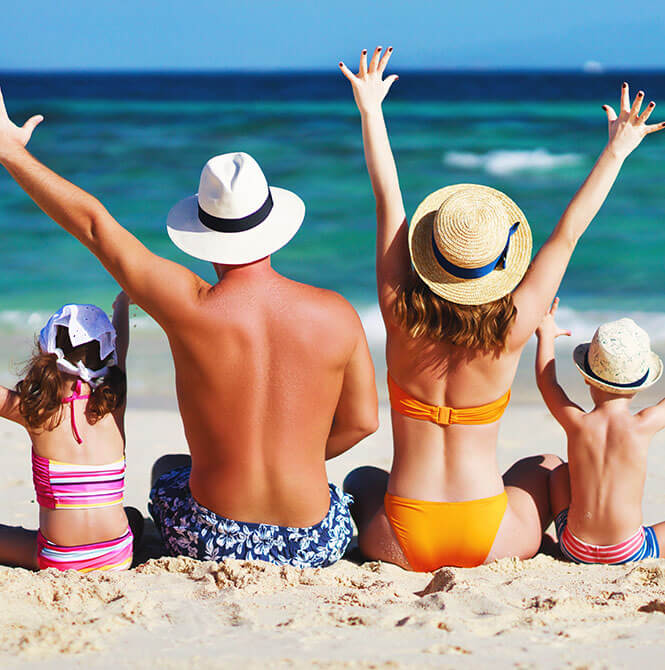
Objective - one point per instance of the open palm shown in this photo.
(369, 86)
(10, 132)
(629, 128)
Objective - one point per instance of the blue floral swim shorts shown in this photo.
(190, 529)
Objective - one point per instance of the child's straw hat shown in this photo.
(619, 358)
(470, 244)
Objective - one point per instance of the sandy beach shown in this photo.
(173, 613)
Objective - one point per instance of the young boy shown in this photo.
(597, 497)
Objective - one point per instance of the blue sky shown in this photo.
(315, 34)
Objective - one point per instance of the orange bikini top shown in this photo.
(403, 403)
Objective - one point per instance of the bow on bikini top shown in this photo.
(405, 404)
(71, 486)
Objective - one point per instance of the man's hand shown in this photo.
(12, 135)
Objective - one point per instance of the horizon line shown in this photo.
(317, 71)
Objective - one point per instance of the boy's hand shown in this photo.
(627, 130)
(548, 327)
(369, 87)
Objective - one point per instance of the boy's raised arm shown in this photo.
(562, 408)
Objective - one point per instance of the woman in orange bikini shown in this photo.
(459, 305)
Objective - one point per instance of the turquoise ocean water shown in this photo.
(139, 147)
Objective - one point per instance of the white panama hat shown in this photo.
(235, 217)
(619, 358)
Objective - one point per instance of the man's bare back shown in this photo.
(260, 367)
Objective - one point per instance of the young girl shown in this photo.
(72, 403)
(460, 299)
(597, 499)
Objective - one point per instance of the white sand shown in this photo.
(174, 613)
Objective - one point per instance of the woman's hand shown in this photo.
(10, 133)
(548, 327)
(369, 87)
(628, 129)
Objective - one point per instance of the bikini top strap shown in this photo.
(76, 395)
(407, 405)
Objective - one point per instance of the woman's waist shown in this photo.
(72, 527)
(439, 478)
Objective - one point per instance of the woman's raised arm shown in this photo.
(392, 249)
(537, 290)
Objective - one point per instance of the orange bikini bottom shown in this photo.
(434, 534)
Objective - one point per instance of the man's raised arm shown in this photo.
(159, 286)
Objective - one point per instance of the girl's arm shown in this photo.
(540, 284)
(121, 324)
(392, 250)
(9, 405)
(563, 409)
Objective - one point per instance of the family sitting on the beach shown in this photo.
(274, 377)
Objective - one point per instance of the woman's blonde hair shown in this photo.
(422, 313)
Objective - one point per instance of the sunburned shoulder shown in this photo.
(327, 306)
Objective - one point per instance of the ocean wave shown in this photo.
(21, 322)
(581, 323)
(504, 162)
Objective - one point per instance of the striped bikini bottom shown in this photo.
(641, 544)
(110, 555)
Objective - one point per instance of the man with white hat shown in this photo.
(273, 377)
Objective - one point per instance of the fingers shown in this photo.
(362, 71)
(554, 307)
(654, 127)
(625, 98)
(637, 104)
(3, 110)
(375, 60)
(384, 60)
(347, 73)
(32, 123)
(646, 113)
(611, 114)
(389, 81)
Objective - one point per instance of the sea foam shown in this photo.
(504, 162)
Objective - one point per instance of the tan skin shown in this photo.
(603, 484)
(272, 376)
(102, 442)
(457, 463)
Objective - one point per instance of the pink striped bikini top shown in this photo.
(70, 486)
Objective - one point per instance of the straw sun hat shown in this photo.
(619, 358)
(470, 244)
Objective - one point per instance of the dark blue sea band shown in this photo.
(591, 373)
(237, 225)
(473, 273)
